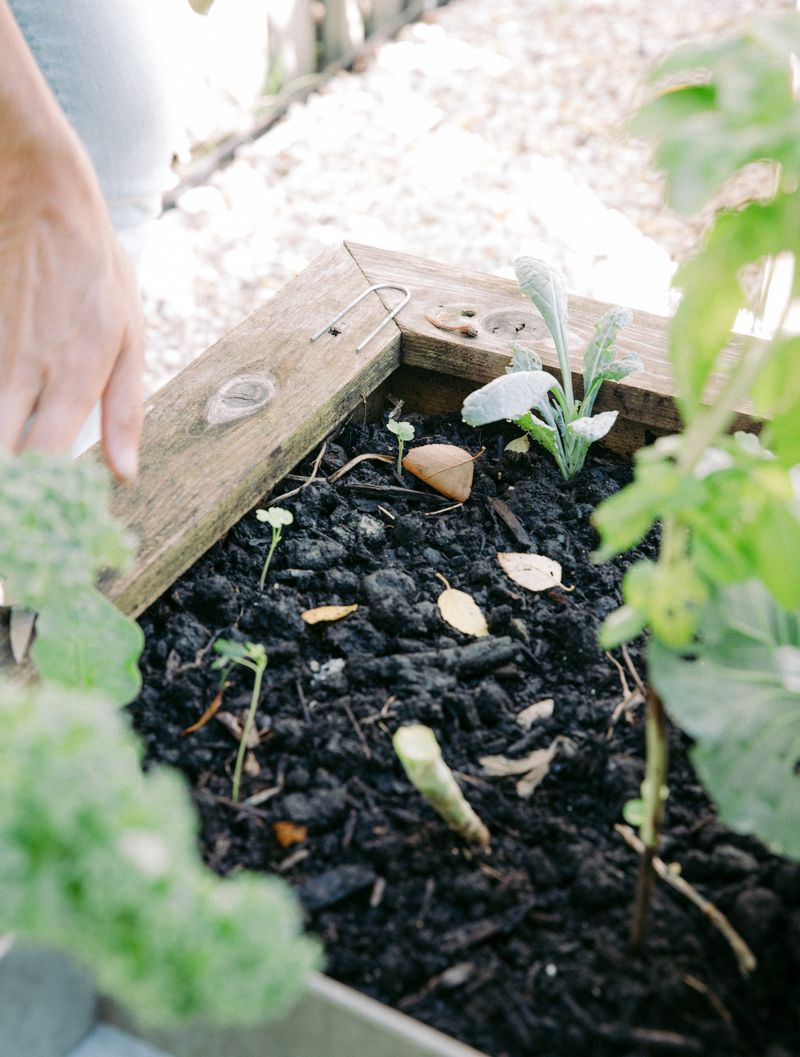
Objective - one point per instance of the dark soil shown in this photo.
(519, 950)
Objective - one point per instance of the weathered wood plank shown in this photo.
(500, 312)
(202, 468)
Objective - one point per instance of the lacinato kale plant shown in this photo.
(535, 400)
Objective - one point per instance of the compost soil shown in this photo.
(520, 949)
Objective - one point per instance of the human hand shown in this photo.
(71, 326)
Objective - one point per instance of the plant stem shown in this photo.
(400, 446)
(276, 536)
(653, 792)
(258, 670)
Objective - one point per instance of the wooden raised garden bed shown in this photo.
(218, 439)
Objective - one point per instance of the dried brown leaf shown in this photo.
(445, 467)
(327, 614)
(534, 572)
(209, 713)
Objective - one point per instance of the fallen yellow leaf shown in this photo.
(461, 612)
(327, 614)
(531, 571)
(520, 445)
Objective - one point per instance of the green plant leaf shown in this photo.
(599, 355)
(726, 105)
(735, 693)
(507, 398)
(713, 295)
(276, 516)
(83, 642)
(56, 533)
(545, 287)
(621, 626)
(542, 433)
(524, 359)
(594, 428)
(402, 430)
(100, 859)
(624, 519)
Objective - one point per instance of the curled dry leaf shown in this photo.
(233, 725)
(531, 571)
(461, 612)
(327, 614)
(288, 833)
(533, 713)
(444, 467)
(534, 767)
(209, 713)
(251, 765)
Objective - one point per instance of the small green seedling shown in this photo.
(418, 751)
(253, 657)
(277, 517)
(563, 425)
(404, 432)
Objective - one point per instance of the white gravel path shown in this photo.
(495, 128)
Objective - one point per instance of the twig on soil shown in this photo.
(512, 522)
(348, 466)
(630, 698)
(358, 730)
(392, 491)
(745, 958)
(651, 1039)
(309, 480)
(444, 510)
(264, 795)
(714, 1000)
(292, 860)
(378, 891)
(387, 513)
(303, 703)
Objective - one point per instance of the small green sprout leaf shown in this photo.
(252, 656)
(419, 753)
(277, 517)
(402, 430)
(405, 433)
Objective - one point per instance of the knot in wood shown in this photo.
(240, 397)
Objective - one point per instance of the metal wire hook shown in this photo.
(382, 324)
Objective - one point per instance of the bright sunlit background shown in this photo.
(484, 131)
